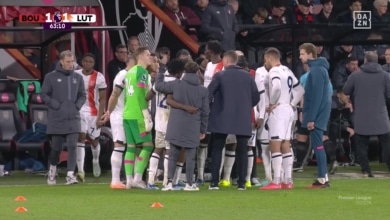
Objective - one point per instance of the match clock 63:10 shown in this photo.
(57, 26)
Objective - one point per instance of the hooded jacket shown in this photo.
(317, 99)
(184, 128)
(369, 88)
(63, 91)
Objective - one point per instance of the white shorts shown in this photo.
(118, 132)
(280, 123)
(231, 139)
(262, 133)
(88, 125)
(160, 141)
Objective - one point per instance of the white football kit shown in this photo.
(262, 77)
(116, 116)
(89, 111)
(280, 120)
(162, 116)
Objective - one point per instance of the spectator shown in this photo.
(200, 7)
(345, 51)
(249, 7)
(369, 89)
(386, 67)
(219, 22)
(117, 64)
(223, 121)
(380, 14)
(64, 100)
(354, 5)
(302, 12)
(321, 51)
(279, 13)
(342, 73)
(258, 18)
(184, 17)
(133, 44)
(202, 62)
(326, 15)
(380, 49)
(163, 55)
(184, 55)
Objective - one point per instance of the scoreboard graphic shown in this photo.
(58, 20)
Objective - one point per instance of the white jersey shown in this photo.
(162, 109)
(210, 71)
(262, 76)
(119, 81)
(287, 81)
(93, 84)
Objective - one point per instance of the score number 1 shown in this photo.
(63, 16)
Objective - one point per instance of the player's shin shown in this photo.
(153, 165)
(129, 162)
(142, 161)
(116, 162)
(266, 158)
(287, 161)
(250, 166)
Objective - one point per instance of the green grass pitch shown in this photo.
(350, 197)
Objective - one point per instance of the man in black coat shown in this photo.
(369, 88)
(232, 93)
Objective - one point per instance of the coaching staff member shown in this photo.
(369, 88)
(63, 91)
(232, 93)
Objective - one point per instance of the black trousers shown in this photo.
(362, 150)
(219, 141)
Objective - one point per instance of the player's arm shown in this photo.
(261, 106)
(174, 104)
(150, 94)
(275, 90)
(163, 87)
(102, 87)
(81, 94)
(297, 92)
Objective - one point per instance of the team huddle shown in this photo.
(181, 122)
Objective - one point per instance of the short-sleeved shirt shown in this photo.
(119, 81)
(287, 80)
(93, 83)
(136, 87)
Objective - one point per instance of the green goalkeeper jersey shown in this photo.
(136, 87)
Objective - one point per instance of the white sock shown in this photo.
(230, 157)
(166, 161)
(1, 170)
(95, 152)
(250, 165)
(276, 160)
(80, 150)
(153, 165)
(70, 173)
(287, 163)
(116, 164)
(137, 177)
(326, 177)
(176, 177)
(202, 155)
(53, 170)
(266, 158)
(222, 161)
(129, 179)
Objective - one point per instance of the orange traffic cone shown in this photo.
(157, 205)
(20, 199)
(21, 209)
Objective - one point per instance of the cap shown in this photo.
(306, 3)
